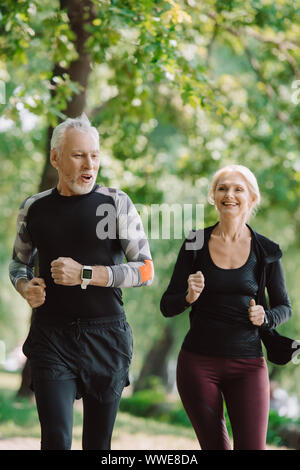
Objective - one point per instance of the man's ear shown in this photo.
(54, 158)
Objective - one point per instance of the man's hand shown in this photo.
(66, 271)
(196, 286)
(256, 313)
(33, 291)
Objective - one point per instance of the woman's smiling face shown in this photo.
(232, 196)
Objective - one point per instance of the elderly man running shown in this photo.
(79, 343)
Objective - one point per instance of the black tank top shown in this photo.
(220, 324)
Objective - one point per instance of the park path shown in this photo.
(138, 441)
(135, 442)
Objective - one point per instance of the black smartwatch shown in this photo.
(86, 276)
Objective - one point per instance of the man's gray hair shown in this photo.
(81, 123)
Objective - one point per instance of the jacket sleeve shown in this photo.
(173, 300)
(279, 304)
(139, 269)
(23, 257)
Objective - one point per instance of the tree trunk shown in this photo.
(155, 363)
(80, 13)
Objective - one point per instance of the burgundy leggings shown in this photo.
(203, 382)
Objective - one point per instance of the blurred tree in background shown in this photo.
(177, 89)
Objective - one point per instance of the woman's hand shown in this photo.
(256, 313)
(195, 286)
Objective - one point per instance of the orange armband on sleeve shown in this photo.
(146, 270)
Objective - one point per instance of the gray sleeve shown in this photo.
(139, 269)
(22, 262)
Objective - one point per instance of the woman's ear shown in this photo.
(252, 203)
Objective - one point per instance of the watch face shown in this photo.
(87, 274)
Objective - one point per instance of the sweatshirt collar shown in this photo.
(268, 249)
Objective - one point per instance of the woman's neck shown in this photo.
(232, 229)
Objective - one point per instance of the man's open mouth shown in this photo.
(86, 178)
(230, 203)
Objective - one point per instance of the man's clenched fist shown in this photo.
(66, 271)
(33, 291)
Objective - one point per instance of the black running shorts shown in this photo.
(97, 352)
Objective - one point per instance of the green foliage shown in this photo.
(37, 37)
(276, 423)
(142, 403)
(153, 402)
(22, 412)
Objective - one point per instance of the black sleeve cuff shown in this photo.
(265, 324)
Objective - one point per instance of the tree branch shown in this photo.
(283, 45)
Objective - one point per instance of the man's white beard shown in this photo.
(78, 188)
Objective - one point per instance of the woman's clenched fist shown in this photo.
(195, 286)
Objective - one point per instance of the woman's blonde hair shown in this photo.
(250, 180)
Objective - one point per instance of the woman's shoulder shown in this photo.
(196, 238)
(270, 247)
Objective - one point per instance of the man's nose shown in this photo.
(88, 162)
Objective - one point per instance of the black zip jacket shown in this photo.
(278, 307)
